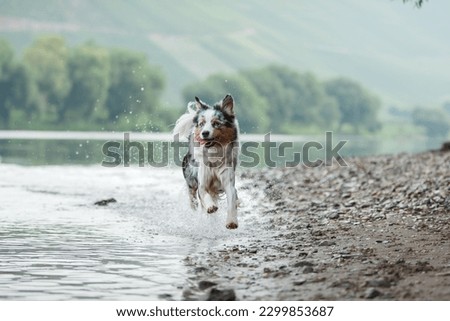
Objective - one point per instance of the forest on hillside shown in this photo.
(89, 87)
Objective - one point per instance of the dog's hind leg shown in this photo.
(193, 197)
(190, 175)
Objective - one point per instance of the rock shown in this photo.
(371, 293)
(382, 283)
(445, 147)
(187, 294)
(318, 279)
(279, 274)
(334, 215)
(327, 243)
(303, 263)
(317, 233)
(308, 269)
(299, 282)
(203, 285)
(221, 295)
(105, 202)
(350, 203)
(200, 269)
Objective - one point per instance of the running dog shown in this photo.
(210, 163)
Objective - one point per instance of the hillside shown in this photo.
(398, 51)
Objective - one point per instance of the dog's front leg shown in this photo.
(205, 198)
(227, 180)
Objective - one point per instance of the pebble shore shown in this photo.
(377, 229)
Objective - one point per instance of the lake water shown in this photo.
(55, 244)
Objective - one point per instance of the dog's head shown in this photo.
(215, 124)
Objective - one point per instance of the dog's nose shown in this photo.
(205, 134)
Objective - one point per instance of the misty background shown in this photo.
(374, 67)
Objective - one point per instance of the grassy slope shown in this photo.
(400, 52)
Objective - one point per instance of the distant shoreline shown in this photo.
(162, 136)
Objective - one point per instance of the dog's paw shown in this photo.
(232, 226)
(212, 209)
(194, 205)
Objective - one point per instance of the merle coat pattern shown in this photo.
(209, 165)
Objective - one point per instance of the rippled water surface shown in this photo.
(55, 244)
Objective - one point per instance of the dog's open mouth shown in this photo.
(207, 142)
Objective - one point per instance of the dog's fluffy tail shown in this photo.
(184, 124)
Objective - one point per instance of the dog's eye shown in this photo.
(216, 124)
(201, 124)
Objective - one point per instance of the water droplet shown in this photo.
(142, 88)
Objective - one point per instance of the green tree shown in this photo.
(89, 71)
(6, 62)
(357, 106)
(135, 88)
(16, 88)
(6, 58)
(251, 108)
(47, 59)
(435, 121)
(295, 99)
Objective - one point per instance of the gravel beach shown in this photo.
(377, 229)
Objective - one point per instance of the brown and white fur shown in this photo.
(210, 163)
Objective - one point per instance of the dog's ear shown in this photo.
(228, 105)
(200, 104)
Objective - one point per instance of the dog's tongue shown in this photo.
(200, 141)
